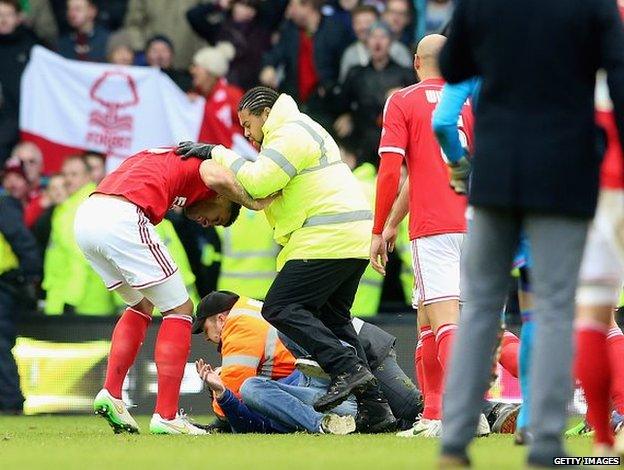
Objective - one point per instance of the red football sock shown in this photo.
(593, 371)
(444, 341)
(432, 375)
(173, 345)
(419, 367)
(510, 346)
(615, 343)
(127, 339)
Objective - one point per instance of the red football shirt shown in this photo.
(155, 180)
(434, 207)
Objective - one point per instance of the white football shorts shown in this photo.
(436, 261)
(123, 247)
(602, 269)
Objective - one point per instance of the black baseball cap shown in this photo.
(217, 301)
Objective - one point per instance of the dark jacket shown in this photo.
(364, 93)
(20, 239)
(250, 40)
(535, 137)
(14, 54)
(96, 45)
(330, 41)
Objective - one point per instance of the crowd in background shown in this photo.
(339, 59)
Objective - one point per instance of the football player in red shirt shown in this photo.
(437, 218)
(599, 340)
(115, 231)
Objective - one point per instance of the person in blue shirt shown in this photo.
(444, 123)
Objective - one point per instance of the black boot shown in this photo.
(342, 386)
(374, 414)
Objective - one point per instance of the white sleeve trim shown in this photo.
(398, 150)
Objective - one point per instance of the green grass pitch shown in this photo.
(86, 443)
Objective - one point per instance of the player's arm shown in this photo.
(400, 208)
(611, 56)
(446, 116)
(223, 181)
(391, 151)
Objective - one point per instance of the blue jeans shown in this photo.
(289, 407)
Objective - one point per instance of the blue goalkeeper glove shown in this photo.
(189, 149)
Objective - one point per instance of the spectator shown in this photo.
(14, 181)
(159, 53)
(363, 17)
(97, 166)
(54, 194)
(365, 91)
(342, 10)
(20, 271)
(210, 66)
(243, 27)
(111, 13)
(16, 41)
(32, 159)
(39, 17)
(437, 15)
(86, 40)
(398, 15)
(119, 49)
(309, 49)
(145, 18)
(72, 287)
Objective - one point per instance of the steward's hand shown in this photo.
(210, 377)
(459, 173)
(188, 149)
(261, 204)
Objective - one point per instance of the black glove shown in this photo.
(188, 149)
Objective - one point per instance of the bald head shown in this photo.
(427, 53)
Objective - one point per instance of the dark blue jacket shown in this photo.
(535, 138)
(20, 239)
(96, 45)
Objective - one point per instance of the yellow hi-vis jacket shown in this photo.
(321, 212)
(8, 260)
(248, 255)
(249, 348)
(368, 296)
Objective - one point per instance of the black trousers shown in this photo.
(310, 302)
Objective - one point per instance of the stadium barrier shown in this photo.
(62, 364)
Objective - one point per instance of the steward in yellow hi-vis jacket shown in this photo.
(323, 221)
(249, 346)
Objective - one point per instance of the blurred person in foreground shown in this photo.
(16, 42)
(20, 272)
(87, 39)
(516, 187)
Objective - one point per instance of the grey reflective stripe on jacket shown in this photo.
(240, 360)
(269, 352)
(330, 219)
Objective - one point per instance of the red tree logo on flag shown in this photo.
(109, 128)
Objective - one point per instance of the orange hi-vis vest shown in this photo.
(250, 347)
